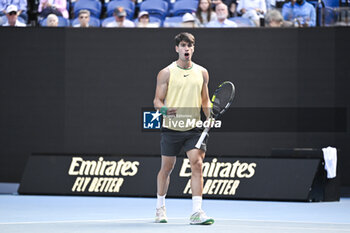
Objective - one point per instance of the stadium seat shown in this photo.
(322, 12)
(184, 6)
(153, 19)
(170, 5)
(156, 8)
(328, 16)
(327, 3)
(107, 20)
(243, 22)
(62, 22)
(93, 6)
(94, 22)
(171, 22)
(128, 5)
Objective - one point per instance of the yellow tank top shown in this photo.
(184, 94)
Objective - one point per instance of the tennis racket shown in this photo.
(221, 101)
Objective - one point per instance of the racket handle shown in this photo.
(202, 137)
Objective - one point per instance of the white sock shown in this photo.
(160, 201)
(196, 203)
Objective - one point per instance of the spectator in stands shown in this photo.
(143, 21)
(120, 19)
(84, 19)
(222, 21)
(204, 13)
(300, 12)
(252, 9)
(57, 7)
(188, 21)
(52, 20)
(12, 17)
(273, 18)
(231, 4)
(20, 4)
(232, 9)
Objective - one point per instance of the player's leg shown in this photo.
(163, 180)
(170, 146)
(196, 157)
(198, 216)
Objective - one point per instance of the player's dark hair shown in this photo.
(184, 36)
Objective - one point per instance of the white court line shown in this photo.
(152, 221)
(280, 221)
(293, 228)
(77, 221)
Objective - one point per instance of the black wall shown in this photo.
(65, 90)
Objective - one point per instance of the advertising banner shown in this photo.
(224, 177)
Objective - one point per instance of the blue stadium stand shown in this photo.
(331, 3)
(128, 5)
(93, 6)
(94, 22)
(62, 22)
(155, 8)
(326, 12)
(182, 7)
(171, 22)
(170, 6)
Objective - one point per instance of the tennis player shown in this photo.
(181, 92)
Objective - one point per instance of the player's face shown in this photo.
(185, 51)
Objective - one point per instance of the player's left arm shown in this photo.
(206, 104)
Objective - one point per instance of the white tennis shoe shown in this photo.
(200, 218)
(161, 215)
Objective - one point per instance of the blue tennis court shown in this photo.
(39, 214)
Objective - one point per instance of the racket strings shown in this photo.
(222, 97)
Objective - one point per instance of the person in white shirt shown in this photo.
(12, 17)
(84, 19)
(120, 19)
(222, 21)
(252, 9)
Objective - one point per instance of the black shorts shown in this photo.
(172, 141)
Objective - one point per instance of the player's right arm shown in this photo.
(161, 90)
